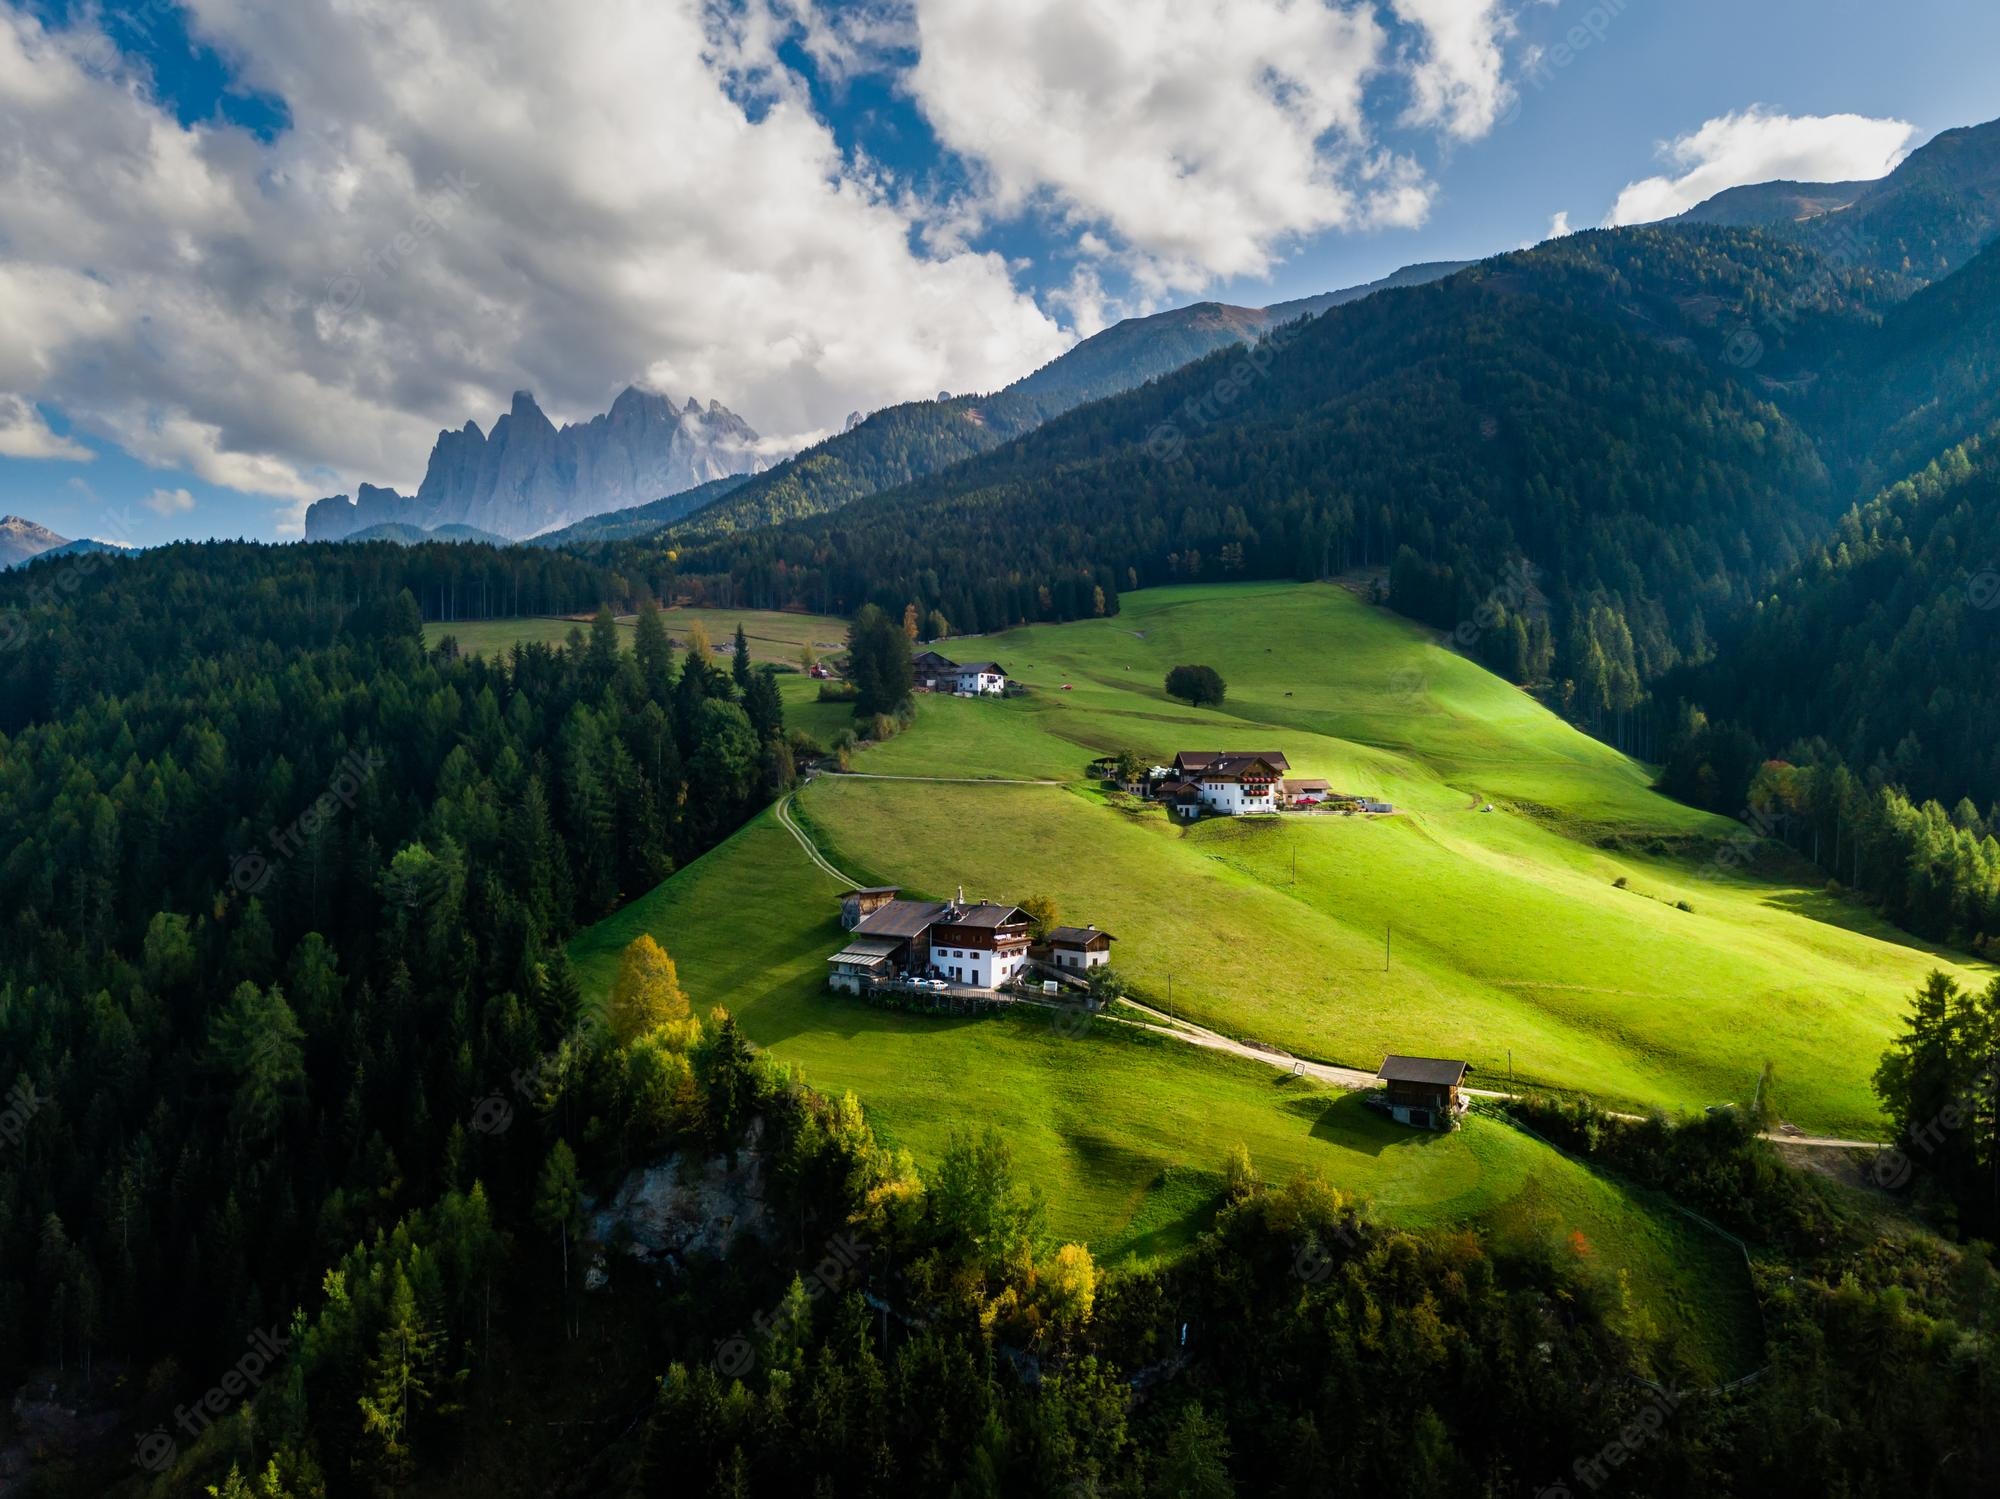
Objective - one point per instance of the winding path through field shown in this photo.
(862, 775)
(784, 811)
(1173, 1028)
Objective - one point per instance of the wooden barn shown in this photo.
(1422, 1091)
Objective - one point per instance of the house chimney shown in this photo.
(961, 895)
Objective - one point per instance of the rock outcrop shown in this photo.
(527, 475)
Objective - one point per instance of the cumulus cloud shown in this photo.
(479, 196)
(1456, 83)
(1198, 136)
(169, 502)
(472, 199)
(1559, 224)
(25, 434)
(1759, 145)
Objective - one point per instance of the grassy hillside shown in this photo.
(773, 636)
(1125, 1134)
(1509, 934)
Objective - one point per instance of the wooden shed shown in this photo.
(1423, 1091)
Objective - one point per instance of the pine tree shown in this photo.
(654, 652)
(398, 1384)
(558, 1207)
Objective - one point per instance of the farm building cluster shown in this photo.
(937, 673)
(958, 943)
(1237, 783)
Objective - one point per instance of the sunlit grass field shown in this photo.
(1499, 936)
(1123, 1134)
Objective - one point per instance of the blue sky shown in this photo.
(250, 254)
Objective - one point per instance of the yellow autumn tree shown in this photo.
(1070, 1282)
(647, 992)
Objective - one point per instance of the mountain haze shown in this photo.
(528, 476)
(22, 539)
(907, 442)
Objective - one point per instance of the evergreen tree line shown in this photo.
(1447, 433)
(900, 1331)
(286, 895)
(1852, 714)
(218, 598)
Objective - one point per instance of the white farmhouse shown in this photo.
(1080, 947)
(982, 679)
(936, 673)
(1232, 783)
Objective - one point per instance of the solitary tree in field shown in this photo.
(878, 663)
(647, 992)
(1199, 686)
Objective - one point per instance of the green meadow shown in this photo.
(1446, 928)
(771, 636)
(1124, 1133)
(1498, 935)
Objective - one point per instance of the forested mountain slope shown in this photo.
(285, 894)
(1883, 642)
(1570, 406)
(911, 441)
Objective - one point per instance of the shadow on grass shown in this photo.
(1352, 1125)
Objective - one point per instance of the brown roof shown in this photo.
(901, 918)
(1200, 759)
(1234, 767)
(875, 890)
(1433, 1070)
(1077, 936)
(1295, 785)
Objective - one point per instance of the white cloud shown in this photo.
(475, 198)
(1199, 136)
(24, 434)
(169, 502)
(1757, 145)
(480, 196)
(1559, 225)
(1456, 84)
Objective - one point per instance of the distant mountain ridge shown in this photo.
(1933, 213)
(899, 444)
(528, 476)
(22, 539)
